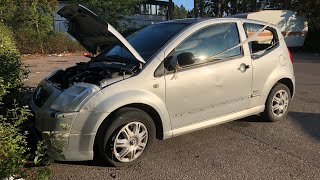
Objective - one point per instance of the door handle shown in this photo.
(243, 67)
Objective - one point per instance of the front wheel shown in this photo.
(277, 103)
(128, 137)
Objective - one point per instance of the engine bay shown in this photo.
(91, 72)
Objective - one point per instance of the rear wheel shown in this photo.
(127, 138)
(277, 103)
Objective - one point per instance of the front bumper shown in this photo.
(55, 129)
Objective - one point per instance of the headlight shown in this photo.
(74, 97)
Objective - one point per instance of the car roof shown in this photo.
(187, 20)
(199, 20)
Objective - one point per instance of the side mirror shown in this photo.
(182, 59)
(186, 58)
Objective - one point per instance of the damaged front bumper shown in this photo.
(65, 134)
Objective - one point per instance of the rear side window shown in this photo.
(265, 41)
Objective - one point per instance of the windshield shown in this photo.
(146, 42)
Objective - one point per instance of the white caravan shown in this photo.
(293, 27)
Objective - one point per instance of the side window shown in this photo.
(264, 42)
(208, 44)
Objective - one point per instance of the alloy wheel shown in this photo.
(280, 102)
(130, 142)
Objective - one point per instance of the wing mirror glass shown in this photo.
(172, 63)
(185, 59)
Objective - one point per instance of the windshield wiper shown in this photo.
(118, 58)
(113, 65)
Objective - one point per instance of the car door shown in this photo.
(210, 81)
(264, 54)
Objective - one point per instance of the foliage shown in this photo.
(14, 151)
(7, 10)
(307, 8)
(311, 10)
(13, 143)
(32, 22)
(36, 16)
(179, 12)
(11, 69)
(58, 42)
(218, 8)
(27, 41)
(54, 42)
(112, 10)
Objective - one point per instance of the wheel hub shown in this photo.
(132, 142)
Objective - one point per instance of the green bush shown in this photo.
(11, 69)
(14, 151)
(28, 41)
(58, 42)
(31, 42)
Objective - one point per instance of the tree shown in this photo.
(306, 8)
(35, 14)
(7, 10)
(310, 9)
(220, 8)
(112, 10)
(31, 17)
(179, 12)
(214, 8)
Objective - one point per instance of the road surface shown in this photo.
(243, 149)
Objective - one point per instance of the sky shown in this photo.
(186, 3)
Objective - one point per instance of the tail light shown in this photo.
(290, 55)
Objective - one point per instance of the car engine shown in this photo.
(90, 72)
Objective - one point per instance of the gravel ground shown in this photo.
(40, 67)
(243, 149)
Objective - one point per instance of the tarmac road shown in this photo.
(243, 149)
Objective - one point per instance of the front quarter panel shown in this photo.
(137, 89)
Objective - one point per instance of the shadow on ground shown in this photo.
(306, 58)
(309, 122)
(94, 162)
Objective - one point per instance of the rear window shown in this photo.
(265, 41)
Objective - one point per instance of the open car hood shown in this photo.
(91, 31)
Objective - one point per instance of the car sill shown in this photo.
(217, 121)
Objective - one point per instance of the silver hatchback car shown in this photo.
(162, 81)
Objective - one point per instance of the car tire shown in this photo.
(277, 104)
(125, 137)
